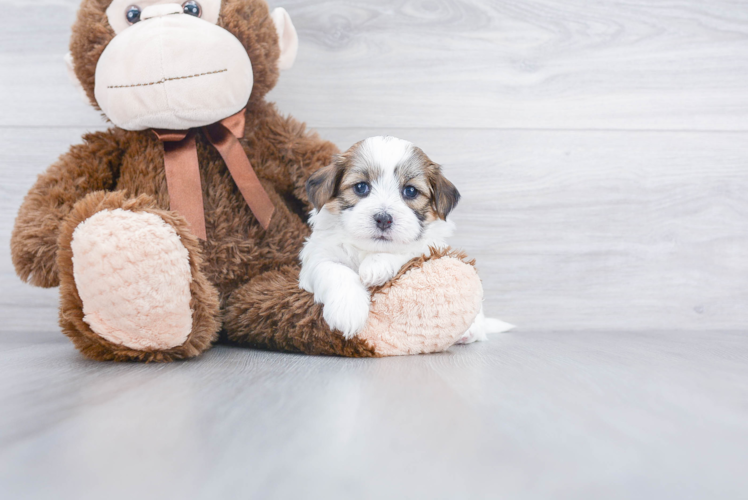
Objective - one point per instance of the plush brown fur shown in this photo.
(242, 272)
(88, 167)
(252, 318)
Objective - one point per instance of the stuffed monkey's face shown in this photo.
(179, 65)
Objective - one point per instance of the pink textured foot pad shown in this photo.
(133, 275)
(427, 310)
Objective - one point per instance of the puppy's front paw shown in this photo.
(377, 270)
(347, 311)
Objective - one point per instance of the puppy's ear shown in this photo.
(323, 185)
(445, 196)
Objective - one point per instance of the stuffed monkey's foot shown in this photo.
(133, 278)
(426, 308)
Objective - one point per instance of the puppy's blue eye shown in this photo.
(409, 192)
(362, 188)
(132, 14)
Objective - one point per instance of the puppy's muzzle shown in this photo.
(383, 220)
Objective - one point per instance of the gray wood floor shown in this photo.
(532, 415)
(602, 152)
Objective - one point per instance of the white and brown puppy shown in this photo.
(378, 205)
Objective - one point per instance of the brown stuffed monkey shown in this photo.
(185, 219)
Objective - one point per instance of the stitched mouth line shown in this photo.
(164, 80)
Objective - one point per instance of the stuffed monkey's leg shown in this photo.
(272, 312)
(425, 308)
(130, 282)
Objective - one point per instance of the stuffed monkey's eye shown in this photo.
(132, 14)
(362, 188)
(409, 192)
(192, 8)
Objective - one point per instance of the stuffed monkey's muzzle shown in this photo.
(172, 71)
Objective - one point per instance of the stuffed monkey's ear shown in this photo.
(287, 37)
(446, 195)
(73, 77)
(323, 184)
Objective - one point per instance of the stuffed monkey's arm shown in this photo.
(301, 152)
(91, 166)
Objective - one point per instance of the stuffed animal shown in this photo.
(183, 222)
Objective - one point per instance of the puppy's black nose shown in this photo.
(383, 220)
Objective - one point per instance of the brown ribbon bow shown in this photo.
(183, 171)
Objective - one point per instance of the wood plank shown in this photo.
(531, 64)
(454, 63)
(572, 230)
(615, 415)
(34, 87)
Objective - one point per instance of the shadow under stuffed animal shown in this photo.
(185, 219)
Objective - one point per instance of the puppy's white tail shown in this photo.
(493, 325)
(483, 326)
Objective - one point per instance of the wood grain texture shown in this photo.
(572, 230)
(527, 415)
(24, 154)
(454, 63)
(531, 64)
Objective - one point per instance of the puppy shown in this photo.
(377, 206)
